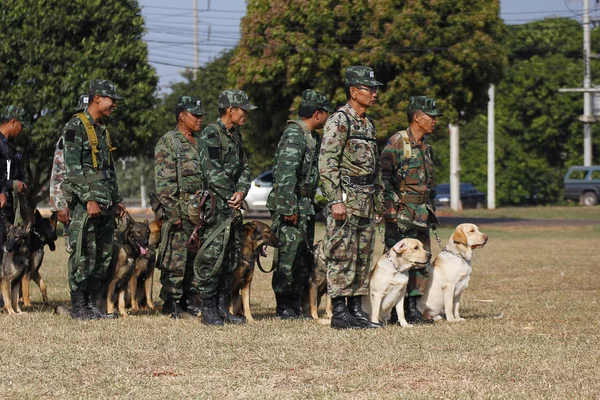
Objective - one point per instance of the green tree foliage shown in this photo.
(447, 49)
(50, 50)
(538, 134)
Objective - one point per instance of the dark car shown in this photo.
(583, 184)
(469, 196)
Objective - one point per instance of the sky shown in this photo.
(170, 26)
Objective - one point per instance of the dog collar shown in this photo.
(454, 254)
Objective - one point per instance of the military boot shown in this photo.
(190, 303)
(341, 318)
(209, 312)
(78, 306)
(172, 308)
(224, 299)
(412, 313)
(92, 306)
(355, 309)
(283, 310)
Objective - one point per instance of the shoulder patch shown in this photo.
(212, 135)
(70, 135)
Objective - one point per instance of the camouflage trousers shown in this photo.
(292, 261)
(348, 247)
(417, 279)
(92, 242)
(214, 265)
(177, 276)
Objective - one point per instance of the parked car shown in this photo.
(261, 186)
(469, 196)
(583, 184)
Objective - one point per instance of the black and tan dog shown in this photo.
(256, 236)
(43, 234)
(317, 284)
(127, 248)
(15, 260)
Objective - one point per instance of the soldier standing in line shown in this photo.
(407, 168)
(351, 183)
(91, 184)
(178, 176)
(225, 165)
(296, 178)
(58, 201)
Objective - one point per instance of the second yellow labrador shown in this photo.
(389, 278)
(450, 273)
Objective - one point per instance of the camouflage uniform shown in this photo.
(296, 178)
(91, 238)
(177, 275)
(409, 202)
(348, 165)
(224, 162)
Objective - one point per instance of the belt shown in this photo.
(414, 198)
(102, 175)
(360, 180)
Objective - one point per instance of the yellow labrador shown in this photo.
(387, 285)
(450, 274)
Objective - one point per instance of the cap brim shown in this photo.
(248, 107)
(328, 109)
(371, 82)
(25, 124)
(436, 113)
(115, 97)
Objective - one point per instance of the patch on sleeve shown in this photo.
(214, 153)
(70, 135)
(212, 135)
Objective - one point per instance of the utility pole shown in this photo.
(588, 118)
(196, 44)
(491, 181)
(454, 169)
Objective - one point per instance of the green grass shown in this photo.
(550, 212)
(532, 331)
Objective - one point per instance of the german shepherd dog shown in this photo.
(127, 248)
(15, 260)
(317, 284)
(255, 239)
(43, 234)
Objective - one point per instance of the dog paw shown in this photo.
(407, 325)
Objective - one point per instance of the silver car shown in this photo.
(261, 186)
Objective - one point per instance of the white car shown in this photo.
(261, 186)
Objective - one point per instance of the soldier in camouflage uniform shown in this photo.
(351, 182)
(91, 185)
(178, 176)
(225, 165)
(296, 177)
(409, 190)
(58, 202)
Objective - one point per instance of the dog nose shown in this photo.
(485, 237)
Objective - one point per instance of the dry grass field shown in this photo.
(532, 331)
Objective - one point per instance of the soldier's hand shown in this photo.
(92, 209)
(63, 215)
(2, 200)
(121, 210)
(177, 223)
(21, 186)
(235, 201)
(291, 218)
(338, 211)
(378, 218)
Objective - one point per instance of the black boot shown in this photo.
(209, 312)
(341, 318)
(78, 306)
(190, 303)
(355, 309)
(412, 313)
(92, 306)
(223, 309)
(283, 309)
(170, 307)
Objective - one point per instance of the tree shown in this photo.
(447, 49)
(50, 51)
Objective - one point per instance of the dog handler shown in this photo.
(178, 176)
(93, 192)
(225, 165)
(407, 168)
(351, 182)
(296, 177)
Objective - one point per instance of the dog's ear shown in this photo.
(257, 234)
(38, 216)
(400, 247)
(146, 222)
(459, 236)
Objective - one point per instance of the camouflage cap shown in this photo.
(192, 104)
(425, 104)
(235, 98)
(18, 113)
(361, 75)
(315, 99)
(84, 101)
(104, 88)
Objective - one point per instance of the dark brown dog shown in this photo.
(317, 284)
(256, 236)
(128, 247)
(15, 260)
